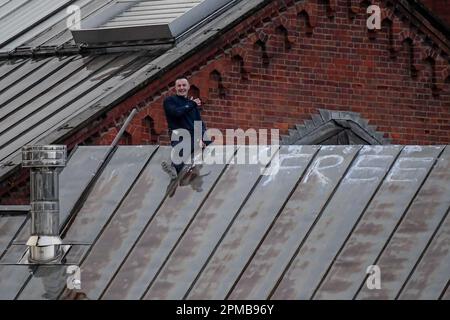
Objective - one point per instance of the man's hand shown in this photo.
(197, 101)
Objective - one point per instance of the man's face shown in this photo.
(182, 87)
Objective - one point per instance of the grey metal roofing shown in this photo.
(143, 20)
(308, 231)
(40, 95)
(49, 88)
(152, 12)
(46, 25)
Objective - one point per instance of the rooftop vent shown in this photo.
(44, 162)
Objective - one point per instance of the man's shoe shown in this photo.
(169, 169)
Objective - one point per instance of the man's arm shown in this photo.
(177, 110)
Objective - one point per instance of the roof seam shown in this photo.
(399, 222)
(356, 223)
(244, 202)
(119, 204)
(263, 238)
(161, 267)
(311, 228)
(422, 254)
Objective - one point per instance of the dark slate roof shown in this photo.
(50, 87)
(308, 231)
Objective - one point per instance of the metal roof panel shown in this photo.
(309, 231)
(18, 20)
(118, 237)
(294, 223)
(107, 194)
(161, 235)
(252, 223)
(379, 221)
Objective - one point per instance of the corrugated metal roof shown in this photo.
(19, 15)
(308, 232)
(38, 95)
(152, 12)
(44, 98)
(142, 20)
(47, 26)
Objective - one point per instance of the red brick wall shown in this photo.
(440, 8)
(281, 64)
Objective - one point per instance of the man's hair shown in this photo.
(181, 78)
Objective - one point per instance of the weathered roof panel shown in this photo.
(12, 279)
(250, 226)
(48, 24)
(295, 221)
(9, 226)
(163, 20)
(379, 222)
(430, 276)
(128, 222)
(205, 231)
(60, 90)
(112, 186)
(152, 12)
(19, 15)
(161, 234)
(308, 231)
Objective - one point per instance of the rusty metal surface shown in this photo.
(415, 230)
(75, 177)
(108, 192)
(49, 281)
(310, 231)
(253, 221)
(45, 284)
(125, 227)
(12, 278)
(205, 232)
(77, 174)
(335, 223)
(161, 235)
(284, 237)
(9, 226)
(432, 274)
(53, 285)
(378, 222)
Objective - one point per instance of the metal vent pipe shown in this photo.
(44, 162)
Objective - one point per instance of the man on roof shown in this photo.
(182, 112)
